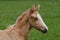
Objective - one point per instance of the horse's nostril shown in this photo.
(45, 31)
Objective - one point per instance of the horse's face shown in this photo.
(37, 22)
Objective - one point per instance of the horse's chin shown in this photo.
(43, 31)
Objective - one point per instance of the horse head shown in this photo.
(36, 19)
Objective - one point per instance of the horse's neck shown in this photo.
(23, 30)
(23, 27)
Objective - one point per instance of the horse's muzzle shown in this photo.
(45, 31)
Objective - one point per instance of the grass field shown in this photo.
(50, 12)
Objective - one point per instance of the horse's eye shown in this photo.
(35, 18)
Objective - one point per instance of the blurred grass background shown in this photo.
(50, 12)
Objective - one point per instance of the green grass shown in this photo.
(50, 12)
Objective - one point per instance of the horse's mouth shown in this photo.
(44, 31)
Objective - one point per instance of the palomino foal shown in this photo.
(20, 30)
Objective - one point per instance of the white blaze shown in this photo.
(42, 22)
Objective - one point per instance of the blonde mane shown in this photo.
(23, 17)
(11, 26)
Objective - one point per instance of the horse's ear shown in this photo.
(32, 9)
(37, 7)
(33, 6)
